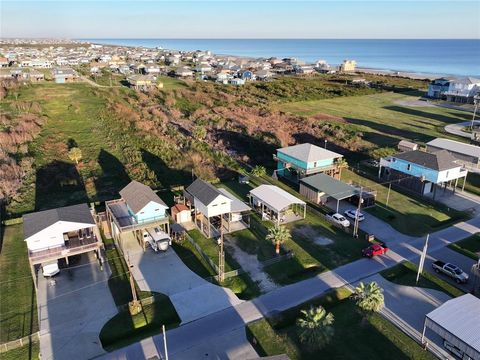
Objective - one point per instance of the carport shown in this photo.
(321, 186)
(457, 321)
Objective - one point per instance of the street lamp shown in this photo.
(325, 145)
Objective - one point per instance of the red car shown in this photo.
(374, 250)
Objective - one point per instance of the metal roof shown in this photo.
(277, 199)
(309, 152)
(458, 322)
(456, 146)
(38, 221)
(330, 186)
(440, 160)
(138, 195)
(237, 204)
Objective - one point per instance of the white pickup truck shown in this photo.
(157, 239)
(451, 270)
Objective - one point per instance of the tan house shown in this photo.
(348, 66)
(143, 82)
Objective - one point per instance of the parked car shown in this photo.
(352, 214)
(157, 239)
(375, 250)
(451, 270)
(338, 219)
(49, 270)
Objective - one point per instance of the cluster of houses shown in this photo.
(458, 90)
(141, 66)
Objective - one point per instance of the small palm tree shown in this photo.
(341, 163)
(259, 171)
(75, 154)
(316, 327)
(278, 235)
(369, 297)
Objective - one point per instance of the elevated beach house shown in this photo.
(60, 233)
(463, 90)
(422, 172)
(215, 210)
(138, 209)
(298, 161)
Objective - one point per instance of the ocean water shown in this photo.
(443, 57)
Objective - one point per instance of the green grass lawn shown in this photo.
(409, 215)
(473, 183)
(26, 352)
(170, 83)
(469, 247)
(356, 336)
(405, 273)
(18, 309)
(243, 286)
(309, 258)
(383, 118)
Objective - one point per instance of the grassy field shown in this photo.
(243, 286)
(409, 215)
(469, 247)
(18, 309)
(405, 273)
(356, 336)
(26, 352)
(310, 258)
(384, 118)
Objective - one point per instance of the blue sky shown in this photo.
(241, 19)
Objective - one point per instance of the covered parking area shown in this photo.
(457, 321)
(277, 205)
(320, 188)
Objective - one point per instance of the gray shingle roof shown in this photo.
(308, 152)
(203, 191)
(138, 195)
(440, 160)
(36, 222)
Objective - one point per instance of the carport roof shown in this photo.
(330, 186)
(277, 199)
(458, 322)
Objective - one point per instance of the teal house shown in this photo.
(297, 161)
(143, 203)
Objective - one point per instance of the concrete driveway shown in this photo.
(447, 255)
(407, 306)
(462, 201)
(192, 296)
(73, 309)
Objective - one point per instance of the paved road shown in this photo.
(457, 129)
(73, 310)
(234, 318)
(164, 272)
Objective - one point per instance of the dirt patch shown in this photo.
(309, 233)
(250, 264)
(414, 103)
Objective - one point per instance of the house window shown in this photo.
(447, 174)
(409, 167)
(214, 205)
(315, 164)
(157, 209)
(223, 203)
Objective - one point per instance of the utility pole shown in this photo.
(388, 194)
(134, 306)
(165, 342)
(422, 259)
(357, 221)
(221, 254)
(476, 100)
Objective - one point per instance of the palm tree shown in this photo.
(259, 171)
(341, 163)
(369, 297)
(316, 327)
(278, 235)
(75, 154)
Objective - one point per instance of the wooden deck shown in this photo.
(73, 246)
